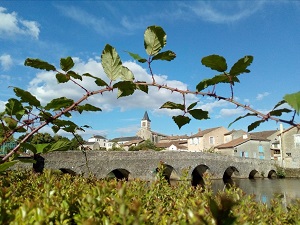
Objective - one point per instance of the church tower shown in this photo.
(145, 123)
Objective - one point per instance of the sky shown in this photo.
(50, 30)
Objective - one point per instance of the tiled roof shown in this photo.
(203, 132)
(178, 144)
(119, 139)
(240, 141)
(99, 136)
(133, 142)
(264, 134)
(175, 137)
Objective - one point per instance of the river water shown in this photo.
(265, 189)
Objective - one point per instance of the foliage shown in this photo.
(55, 198)
(280, 171)
(116, 147)
(26, 114)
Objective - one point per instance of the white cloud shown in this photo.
(11, 25)
(224, 12)
(262, 95)
(2, 105)
(6, 61)
(210, 106)
(231, 112)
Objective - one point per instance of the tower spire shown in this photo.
(146, 117)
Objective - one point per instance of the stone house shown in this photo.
(96, 142)
(206, 140)
(271, 135)
(247, 146)
(233, 134)
(290, 147)
(173, 145)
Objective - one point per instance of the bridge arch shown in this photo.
(119, 174)
(67, 171)
(231, 170)
(272, 174)
(197, 175)
(169, 173)
(253, 174)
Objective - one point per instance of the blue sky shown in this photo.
(50, 30)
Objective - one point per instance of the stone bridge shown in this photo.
(144, 164)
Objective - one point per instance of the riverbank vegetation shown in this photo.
(55, 198)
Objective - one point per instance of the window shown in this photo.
(260, 149)
(211, 140)
(297, 140)
(195, 141)
(289, 154)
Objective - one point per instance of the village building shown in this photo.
(290, 147)
(206, 140)
(96, 142)
(146, 133)
(247, 146)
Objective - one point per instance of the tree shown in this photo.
(42, 138)
(18, 116)
(76, 141)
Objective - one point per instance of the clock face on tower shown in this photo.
(143, 124)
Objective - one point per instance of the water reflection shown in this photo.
(264, 189)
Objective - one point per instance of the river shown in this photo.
(287, 189)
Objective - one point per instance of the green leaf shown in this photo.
(66, 63)
(155, 39)
(241, 65)
(222, 78)
(27, 97)
(293, 100)
(126, 74)
(62, 78)
(40, 148)
(172, 105)
(66, 125)
(125, 88)
(111, 62)
(241, 117)
(39, 64)
(4, 166)
(61, 145)
(59, 103)
(98, 81)
(279, 112)
(10, 122)
(137, 57)
(27, 146)
(252, 126)
(279, 104)
(55, 128)
(74, 75)
(87, 107)
(14, 108)
(143, 88)
(167, 55)
(199, 114)
(215, 62)
(192, 105)
(181, 120)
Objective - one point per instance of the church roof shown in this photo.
(146, 117)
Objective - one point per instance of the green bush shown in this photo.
(53, 198)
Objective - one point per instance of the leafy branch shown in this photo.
(27, 115)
